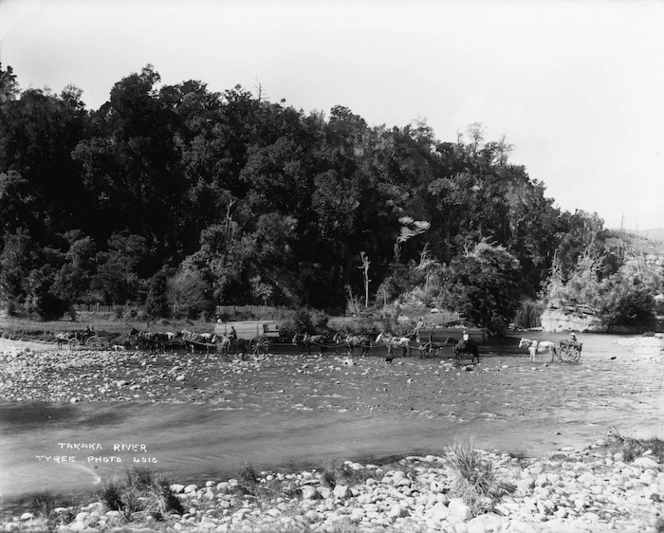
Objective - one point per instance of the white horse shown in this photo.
(351, 341)
(535, 347)
(391, 341)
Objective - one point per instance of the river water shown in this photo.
(514, 405)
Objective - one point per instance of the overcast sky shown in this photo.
(577, 87)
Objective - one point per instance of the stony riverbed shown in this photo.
(590, 489)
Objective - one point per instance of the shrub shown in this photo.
(631, 306)
(528, 315)
(129, 314)
(355, 326)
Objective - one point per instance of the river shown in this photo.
(514, 405)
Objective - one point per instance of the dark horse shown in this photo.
(470, 347)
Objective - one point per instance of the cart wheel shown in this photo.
(259, 345)
(74, 343)
(576, 355)
(97, 342)
(569, 355)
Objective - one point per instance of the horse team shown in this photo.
(229, 344)
(407, 344)
(160, 342)
(413, 343)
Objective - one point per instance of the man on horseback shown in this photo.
(464, 340)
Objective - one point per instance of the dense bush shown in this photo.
(254, 202)
(624, 298)
(632, 307)
(483, 286)
(304, 320)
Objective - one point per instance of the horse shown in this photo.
(193, 340)
(65, 337)
(465, 346)
(147, 341)
(310, 340)
(240, 345)
(364, 343)
(391, 341)
(223, 344)
(538, 346)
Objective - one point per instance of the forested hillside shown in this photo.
(178, 198)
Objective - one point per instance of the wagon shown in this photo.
(256, 335)
(97, 342)
(434, 340)
(199, 345)
(569, 351)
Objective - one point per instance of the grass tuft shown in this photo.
(247, 474)
(249, 483)
(343, 474)
(44, 505)
(143, 493)
(659, 525)
(631, 448)
(476, 483)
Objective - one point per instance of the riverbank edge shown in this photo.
(599, 488)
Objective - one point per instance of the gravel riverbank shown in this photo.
(592, 490)
(595, 489)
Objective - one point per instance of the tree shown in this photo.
(16, 260)
(70, 283)
(121, 268)
(483, 286)
(40, 299)
(132, 166)
(409, 228)
(365, 276)
(189, 294)
(19, 208)
(157, 304)
(9, 89)
(261, 290)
